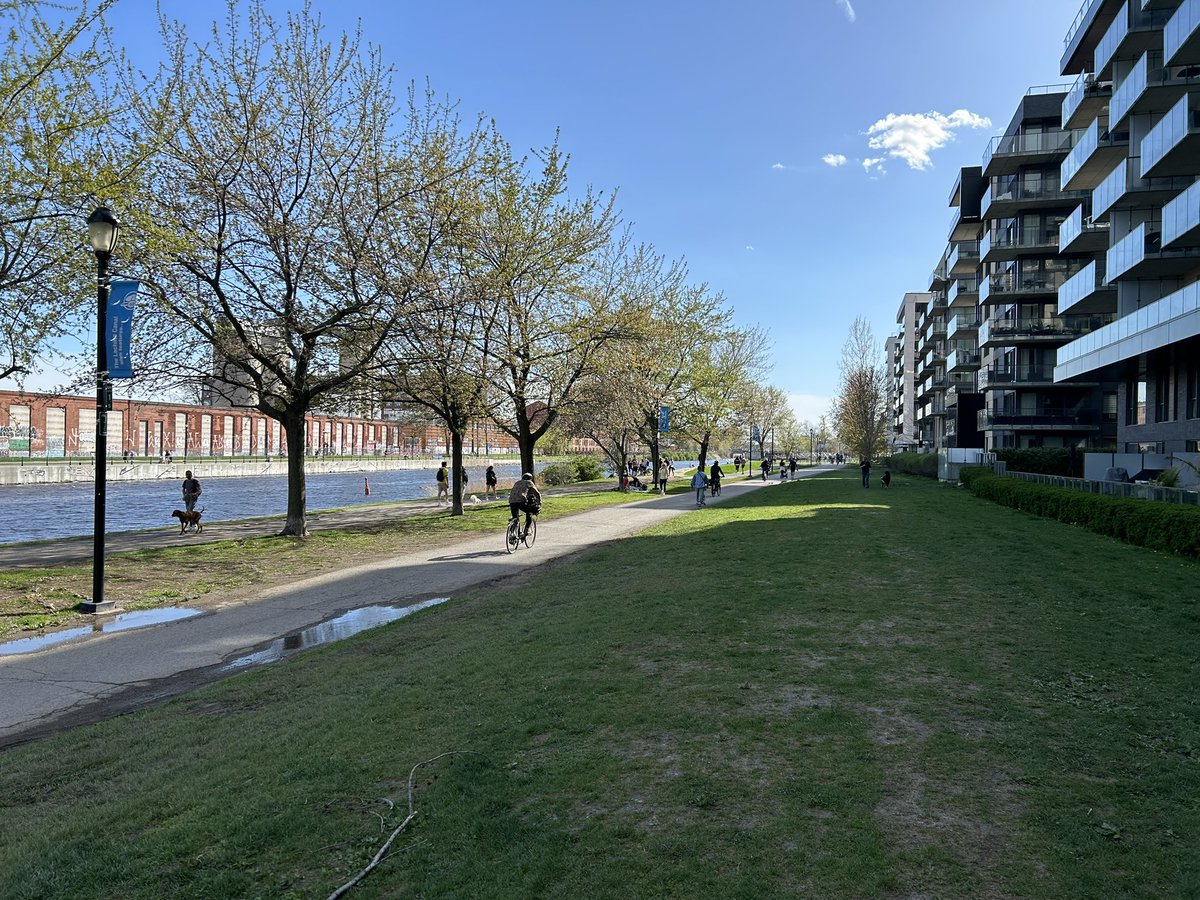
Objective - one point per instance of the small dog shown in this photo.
(887, 479)
(189, 519)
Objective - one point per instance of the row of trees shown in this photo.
(309, 239)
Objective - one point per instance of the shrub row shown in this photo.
(914, 464)
(1166, 527)
(575, 468)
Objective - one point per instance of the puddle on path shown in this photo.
(336, 629)
(121, 622)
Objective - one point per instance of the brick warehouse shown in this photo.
(50, 425)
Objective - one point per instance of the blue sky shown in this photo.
(713, 119)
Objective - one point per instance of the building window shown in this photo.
(1135, 402)
(1109, 407)
(1162, 395)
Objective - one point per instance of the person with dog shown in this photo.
(191, 491)
(524, 498)
(489, 480)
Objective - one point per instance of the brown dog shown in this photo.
(189, 518)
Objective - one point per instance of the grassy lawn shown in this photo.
(33, 598)
(814, 690)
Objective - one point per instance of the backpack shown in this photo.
(441, 474)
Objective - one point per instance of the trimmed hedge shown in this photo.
(1166, 527)
(913, 464)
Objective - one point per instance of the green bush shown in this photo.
(1166, 527)
(585, 468)
(913, 464)
(556, 474)
(1043, 461)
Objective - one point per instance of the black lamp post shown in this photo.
(102, 235)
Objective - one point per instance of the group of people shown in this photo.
(629, 478)
(524, 496)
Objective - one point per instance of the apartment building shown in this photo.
(1137, 99)
(1033, 188)
(901, 350)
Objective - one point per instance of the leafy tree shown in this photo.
(537, 253)
(860, 408)
(771, 411)
(288, 217)
(55, 165)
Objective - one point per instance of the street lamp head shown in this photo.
(102, 231)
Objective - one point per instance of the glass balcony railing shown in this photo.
(1129, 90)
(1040, 326)
(1028, 144)
(1041, 417)
(962, 360)
(964, 253)
(1181, 215)
(1128, 20)
(1083, 85)
(1079, 287)
(997, 375)
(1086, 13)
(1170, 131)
(962, 324)
(1091, 140)
(1181, 28)
(1123, 180)
(1126, 253)
(1033, 239)
(1008, 283)
(1182, 303)
(962, 287)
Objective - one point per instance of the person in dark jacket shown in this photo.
(866, 472)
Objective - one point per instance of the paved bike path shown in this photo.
(105, 673)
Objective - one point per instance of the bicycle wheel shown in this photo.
(531, 533)
(512, 536)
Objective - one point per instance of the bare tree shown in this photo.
(860, 408)
(771, 412)
(288, 222)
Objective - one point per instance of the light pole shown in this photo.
(812, 447)
(103, 228)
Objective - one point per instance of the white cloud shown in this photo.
(834, 159)
(874, 164)
(912, 136)
(750, 247)
(779, 166)
(851, 15)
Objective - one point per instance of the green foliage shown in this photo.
(555, 474)
(914, 464)
(1168, 477)
(1165, 527)
(1043, 461)
(585, 468)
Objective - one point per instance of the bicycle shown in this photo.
(514, 536)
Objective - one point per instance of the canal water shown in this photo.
(42, 511)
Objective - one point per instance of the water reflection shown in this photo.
(122, 622)
(336, 629)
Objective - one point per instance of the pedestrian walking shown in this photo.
(699, 483)
(489, 480)
(664, 473)
(191, 491)
(443, 482)
(765, 467)
(792, 466)
(866, 472)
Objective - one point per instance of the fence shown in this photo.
(1109, 488)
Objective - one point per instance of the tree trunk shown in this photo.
(456, 470)
(525, 439)
(296, 524)
(704, 450)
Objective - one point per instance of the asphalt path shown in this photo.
(105, 673)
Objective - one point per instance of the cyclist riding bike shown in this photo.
(524, 498)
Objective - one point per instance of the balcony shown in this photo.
(963, 291)
(1171, 146)
(1037, 330)
(1181, 219)
(963, 227)
(1007, 153)
(1090, 22)
(1173, 319)
(1006, 196)
(1085, 100)
(1005, 287)
(958, 388)
(997, 246)
(1087, 292)
(1002, 377)
(1132, 32)
(963, 325)
(1181, 37)
(1140, 254)
(1151, 87)
(1092, 157)
(1079, 234)
(964, 258)
(1039, 419)
(962, 361)
(1125, 189)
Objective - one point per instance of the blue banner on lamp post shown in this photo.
(118, 327)
(664, 419)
